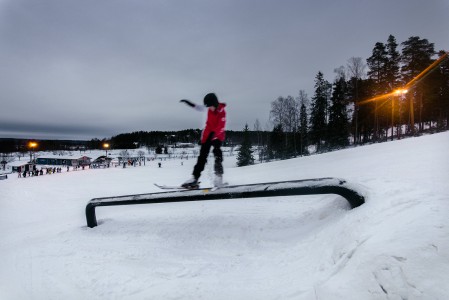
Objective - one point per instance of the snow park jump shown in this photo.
(270, 189)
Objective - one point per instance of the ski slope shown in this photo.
(395, 246)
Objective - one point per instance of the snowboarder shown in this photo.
(213, 135)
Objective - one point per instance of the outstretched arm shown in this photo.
(193, 105)
(189, 103)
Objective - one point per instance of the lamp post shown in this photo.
(399, 93)
(106, 147)
(32, 146)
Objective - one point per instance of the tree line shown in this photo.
(395, 93)
(133, 140)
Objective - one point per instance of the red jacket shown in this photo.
(216, 122)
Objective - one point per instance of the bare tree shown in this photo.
(124, 155)
(141, 154)
(356, 71)
(285, 112)
(340, 72)
(356, 68)
(258, 129)
(303, 98)
(277, 111)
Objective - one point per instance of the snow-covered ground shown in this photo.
(395, 246)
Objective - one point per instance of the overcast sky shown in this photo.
(82, 69)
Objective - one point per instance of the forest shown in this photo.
(400, 90)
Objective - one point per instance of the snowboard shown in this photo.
(175, 187)
(181, 188)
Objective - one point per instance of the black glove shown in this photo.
(187, 102)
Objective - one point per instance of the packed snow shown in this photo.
(395, 246)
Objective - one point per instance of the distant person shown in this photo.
(213, 136)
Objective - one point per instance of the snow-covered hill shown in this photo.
(395, 246)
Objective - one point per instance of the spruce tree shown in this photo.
(276, 145)
(443, 95)
(303, 130)
(393, 78)
(392, 67)
(416, 56)
(338, 117)
(377, 64)
(318, 122)
(245, 155)
(356, 68)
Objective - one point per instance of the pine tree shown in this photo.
(318, 124)
(443, 94)
(245, 155)
(416, 56)
(365, 111)
(356, 68)
(377, 64)
(338, 117)
(393, 78)
(303, 124)
(276, 145)
(392, 67)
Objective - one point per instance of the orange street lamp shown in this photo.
(399, 93)
(106, 147)
(32, 146)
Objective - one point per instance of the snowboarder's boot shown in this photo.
(218, 181)
(191, 184)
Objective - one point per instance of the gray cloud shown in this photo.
(49, 130)
(99, 68)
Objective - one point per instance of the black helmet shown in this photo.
(211, 100)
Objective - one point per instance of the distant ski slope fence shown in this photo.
(270, 189)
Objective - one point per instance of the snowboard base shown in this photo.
(177, 187)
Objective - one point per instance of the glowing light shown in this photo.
(106, 145)
(411, 83)
(426, 70)
(401, 92)
(385, 96)
(32, 144)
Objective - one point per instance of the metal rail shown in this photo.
(269, 189)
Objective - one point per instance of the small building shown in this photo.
(84, 161)
(19, 166)
(64, 161)
(102, 161)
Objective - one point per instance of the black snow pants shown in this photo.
(204, 153)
